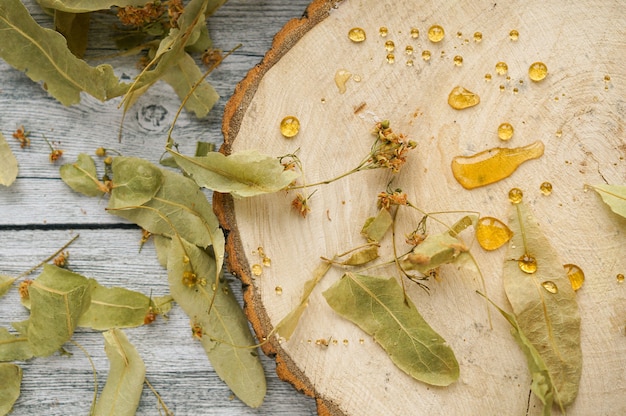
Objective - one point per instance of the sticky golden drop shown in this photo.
(492, 233)
(502, 68)
(257, 269)
(426, 55)
(546, 188)
(382, 31)
(267, 262)
(516, 195)
(505, 131)
(478, 37)
(537, 71)
(460, 98)
(189, 279)
(550, 286)
(356, 35)
(575, 274)
(390, 46)
(391, 58)
(487, 77)
(279, 290)
(620, 278)
(289, 126)
(409, 62)
(458, 60)
(436, 33)
(492, 165)
(513, 35)
(527, 264)
(415, 33)
(408, 50)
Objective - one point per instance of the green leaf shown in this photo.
(242, 174)
(288, 324)
(162, 246)
(82, 176)
(5, 284)
(376, 227)
(8, 163)
(135, 181)
(434, 251)
(362, 256)
(14, 347)
(378, 306)
(550, 321)
(58, 298)
(81, 6)
(614, 196)
(75, 28)
(223, 328)
(114, 307)
(43, 55)
(11, 376)
(122, 391)
(182, 77)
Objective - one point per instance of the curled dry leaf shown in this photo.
(122, 391)
(82, 176)
(223, 331)
(544, 305)
(376, 227)
(378, 306)
(135, 181)
(242, 174)
(614, 196)
(43, 55)
(8, 163)
(11, 376)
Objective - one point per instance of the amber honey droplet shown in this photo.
(415, 33)
(527, 264)
(607, 78)
(341, 77)
(501, 87)
(267, 262)
(537, 71)
(391, 58)
(361, 341)
(409, 62)
(575, 275)
(487, 77)
(289, 126)
(502, 68)
(505, 131)
(390, 46)
(408, 50)
(546, 188)
(558, 133)
(436, 33)
(460, 98)
(515, 90)
(492, 165)
(189, 279)
(516, 195)
(346, 342)
(492, 233)
(458, 60)
(426, 55)
(514, 35)
(478, 37)
(279, 290)
(257, 269)
(356, 35)
(382, 31)
(550, 286)
(620, 278)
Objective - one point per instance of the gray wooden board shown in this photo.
(39, 213)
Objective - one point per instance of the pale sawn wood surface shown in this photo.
(580, 43)
(38, 214)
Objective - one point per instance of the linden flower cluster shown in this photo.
(397, 197)
(390, 149)
(150, 12)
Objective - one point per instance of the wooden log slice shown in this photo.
(577, 111)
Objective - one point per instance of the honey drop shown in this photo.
(527, 264)
(382, 31)
(546, 188)
(460, 98)
(426, 55)
(356, 35)
(513, 35)
(415, 33)
(409, 62)
(390, 46)
(458, 60)
(575, 275)
(478, 37)
(620, 278)
(505, 131)
(408, 50)
(502, 68)
(492, 233)
(550, 286)
(501, 87)
(267, 262)
(391, 58)
(341, 77)
(279, 290)
(435, 33)
(537, 71)
(289, 126)
(516, 195)
(257, 269)
(487, 77)
(492, 165)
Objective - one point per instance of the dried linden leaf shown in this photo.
(135, 181)
(114, 307)
(241, 174)
(377, 306)
(614, 196)
(58, 298)
(11, 376)
(376, 227)
(224, 331)
(122, 391)
(547, 313)
(74, 27)
(43, 55)
(5, 283)
(182, 77)
(14, 347)
(8, 163)
(362, 256)
(435, 250)
(81, 176)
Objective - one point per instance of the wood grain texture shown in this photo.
(297, 78)
(39, 213)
